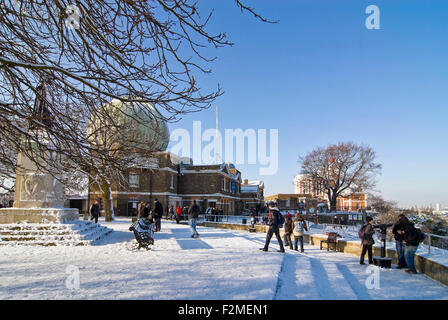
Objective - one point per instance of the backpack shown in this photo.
(298, 227)
(281, 219)
(420, 236)
(361, 232)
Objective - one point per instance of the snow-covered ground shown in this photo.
(220, 264)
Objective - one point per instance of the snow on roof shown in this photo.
(245, 188)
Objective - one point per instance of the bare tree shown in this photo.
(379, 205)
(341, 169)
(76, 56)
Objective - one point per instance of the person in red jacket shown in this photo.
(178, 213)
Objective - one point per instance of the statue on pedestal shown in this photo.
(38, 194)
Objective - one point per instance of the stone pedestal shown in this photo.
(35, 189)
(39, 196)
(38, 215)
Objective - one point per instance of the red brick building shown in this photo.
(352, 202)
(176, 181)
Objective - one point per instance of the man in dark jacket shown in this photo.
(95, 211)
(398, 231)
(367, 241)
(274, 226)
(158, 213)
(411, 243)
(193, 215)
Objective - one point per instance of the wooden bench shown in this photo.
(332, 239)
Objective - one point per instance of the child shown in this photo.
(299, 228)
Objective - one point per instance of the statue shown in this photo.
(40, 110)
(38, 195)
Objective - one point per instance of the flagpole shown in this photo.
(216, 137)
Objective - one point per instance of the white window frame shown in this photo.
(134, 180)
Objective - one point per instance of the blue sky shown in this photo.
(320, 77)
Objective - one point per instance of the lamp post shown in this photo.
(150, 188)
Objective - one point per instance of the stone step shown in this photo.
(72, 237)
(97, 236)
(28, 227)
(39, 235)
(47, 228)
(64, 231)
(4, 234)
(94, 232)
(80, 233)
(46, 243)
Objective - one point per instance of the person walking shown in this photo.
(299, 228)
(411, 242)
(178, 213)
(158, 213)
(367, 241)
(274, 225)
(146, 208)
(398, 231)
(193, 215)
(95, 211)
(170, 214)
(253, 219)
(140, 209)
(288, 231)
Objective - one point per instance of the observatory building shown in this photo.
(169, 178)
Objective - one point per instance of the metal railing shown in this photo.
(343, 227)
(442, 241)
(226, 218)
(431, 240)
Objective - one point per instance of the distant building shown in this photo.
(305, 186)
(252, 195)
(288, 201)
(440, 211)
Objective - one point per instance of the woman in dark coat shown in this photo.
(95, 211)
(367, 241)
(288, 231)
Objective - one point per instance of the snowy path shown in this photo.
(221, 264)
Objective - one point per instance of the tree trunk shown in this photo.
(105, 189)
(333, 201)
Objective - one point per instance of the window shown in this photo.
(133, 180)
(172, 182)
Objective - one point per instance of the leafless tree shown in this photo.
(378, 204)
(341, 169)
(76, 56)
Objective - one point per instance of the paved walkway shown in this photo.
(220, 264)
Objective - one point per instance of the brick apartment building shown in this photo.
(305, 186)
(176, 181)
